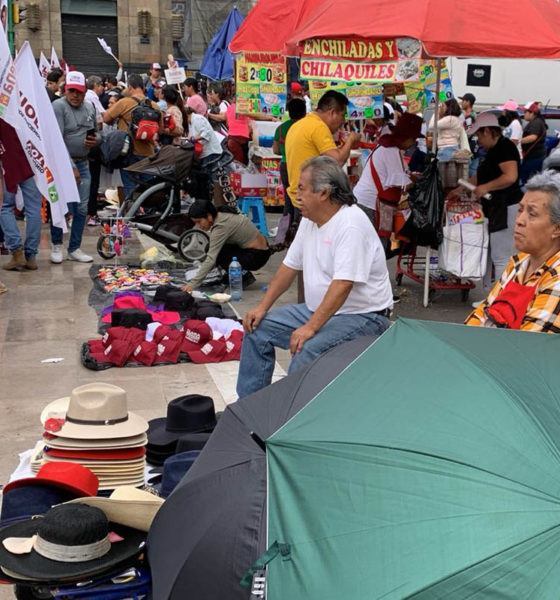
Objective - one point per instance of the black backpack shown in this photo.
(144, 121)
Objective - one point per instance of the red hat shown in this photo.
(66, 475)
(75, 81)
(96, 346)
(195, 335)
(161, 332)
(145, 353)
(233, 345)
(129, 302)
(213, 351)
(169, 347)
(296, 88)
(118, 352)
(124, 334)
(77, 454)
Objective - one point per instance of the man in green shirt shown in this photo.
(296, 110)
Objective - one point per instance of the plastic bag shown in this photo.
(424, 225)
(464, 250)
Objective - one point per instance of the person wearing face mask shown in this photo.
(498, 177)
(313, 136)
(527, 295)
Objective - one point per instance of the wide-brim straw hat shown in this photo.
(93, 411)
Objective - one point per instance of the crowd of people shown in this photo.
(344, 234)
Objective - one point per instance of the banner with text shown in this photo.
(364, 101)
(361, 61)
(261, 86)
(42, 140)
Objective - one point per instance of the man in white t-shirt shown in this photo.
(347, 288)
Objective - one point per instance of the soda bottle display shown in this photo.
(235, 280)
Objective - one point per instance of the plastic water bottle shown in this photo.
(235, 280)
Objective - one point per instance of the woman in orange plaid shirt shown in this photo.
(527, 295)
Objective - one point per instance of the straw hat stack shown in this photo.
(94, 428)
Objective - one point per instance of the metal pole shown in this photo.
(434, 150)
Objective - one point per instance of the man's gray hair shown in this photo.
(92, 80)
(547, 182)
(327, 174)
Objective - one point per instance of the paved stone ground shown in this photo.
(45, 314)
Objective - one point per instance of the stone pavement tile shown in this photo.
(35, 385)
(32, 353)
(30, 329)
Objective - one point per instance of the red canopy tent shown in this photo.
(531, 29)
(482, 28)
(269, 24)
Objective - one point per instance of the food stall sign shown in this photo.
(261, 87)
(360, 60)
(364, 101)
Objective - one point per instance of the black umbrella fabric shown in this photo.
(213, 526)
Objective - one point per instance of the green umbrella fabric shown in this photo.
(428, 469)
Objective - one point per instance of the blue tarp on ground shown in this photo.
(218, 61)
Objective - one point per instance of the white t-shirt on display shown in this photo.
(345, 248)
(200, 127)
(391, 170)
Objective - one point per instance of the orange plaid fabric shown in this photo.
(543, 313)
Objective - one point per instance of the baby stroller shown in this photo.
(154, 207)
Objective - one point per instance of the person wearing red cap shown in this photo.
(346, 282)
(78, 124)
(533, 142)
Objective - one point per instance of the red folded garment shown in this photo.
(145, 353)
(96, 346)
(169, 347)
(118, 352)
(213, 351)
(233, 345)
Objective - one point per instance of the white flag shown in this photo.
(42, 140)
(105, 47)
(44, 66)
(55, 64)
(8, 84)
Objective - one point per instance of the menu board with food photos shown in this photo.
(261, 85)
(422, 94)
(364, 101)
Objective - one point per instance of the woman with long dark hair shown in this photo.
(231, 234)
(175, 119)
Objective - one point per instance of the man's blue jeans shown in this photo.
(32, 200)
(258, 353)
(78, 211)
(128, 182)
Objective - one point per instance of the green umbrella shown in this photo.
(428, 469)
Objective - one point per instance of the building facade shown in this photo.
(138, 31)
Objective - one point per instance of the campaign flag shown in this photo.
(44, 66)
(8, 84)
(42, 140)
(55, 63)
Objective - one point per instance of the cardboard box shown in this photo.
(249, 184)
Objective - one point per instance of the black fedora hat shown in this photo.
(192, 441)
(187, 414)
(155, 456)
(70, 541)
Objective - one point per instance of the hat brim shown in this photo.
(138, 514)
(73, 86)
(134, 425)
(159, 436)
(63, 443)
(37, 567)
(18, 483)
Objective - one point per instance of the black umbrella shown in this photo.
(213, 526)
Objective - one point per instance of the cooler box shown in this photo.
(249, 184)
